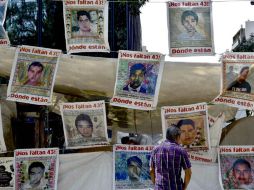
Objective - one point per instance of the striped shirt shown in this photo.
(168, 159)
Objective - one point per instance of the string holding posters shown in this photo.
(236, 165)
(131, 168)
(86, 25)
(6, 173)
(85, 124)
(4, 39)
(192, 120)
(138, 80)
(2, 142)
(237, 81)
(36, 168)
(33, 75)
(190, 29)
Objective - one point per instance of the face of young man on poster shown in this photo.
(35, 176)
(188, 134)
(242, 174)
(34, 75)
(85, 128)
(190, 24)
(136, 79)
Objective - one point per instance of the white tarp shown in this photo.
(93, 171)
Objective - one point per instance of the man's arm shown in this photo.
(187, 178)
(152, 174)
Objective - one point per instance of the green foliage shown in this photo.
(21, 22)
(246, 46)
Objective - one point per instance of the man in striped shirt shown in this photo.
(167, 161)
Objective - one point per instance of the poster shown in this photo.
(86, 25)
(4, 40)
(236, 165)
(211, 155)
(85, 124)
(36, 168)
(6, 173)
(138, 80)
(237, 84)
(190, 30)
(131, 167)
(192, 120)
(33, 75)
(2, 142)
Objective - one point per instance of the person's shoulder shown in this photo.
(180, 149)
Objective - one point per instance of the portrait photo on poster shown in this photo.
(86, 23)
(238, 80)
(132, 170)
(34, 73)
(237, 171)
(141, 77)
(84, 127)
(190, 27)
(6, 173)
(36, 176)
(194, 133)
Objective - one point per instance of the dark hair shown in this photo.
(185, 122)
(173, 133)
(125, 140)
(35, 165)
(134, 159)
(83, 117)
(241, 161)
(36, 64)
(189, 13)
(137, 66)
(83, 13)
(2, 167)
(244, 68)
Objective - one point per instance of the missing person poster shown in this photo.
(4, 40)
(33, 75)
(2, 142)
(86, 25)
(209, 156)
(6, 173)
(36, 168)
(138, 80)
(85, 124)
(237, 84)
(190, 30)
(192, 120)
(236, 165)
(131, 168)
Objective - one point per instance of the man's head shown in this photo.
(137, 75)
(84, 125)
(243, 73)
(188, 131)
(189, 21)
(173, 134)
(36, 172)
(242, 171)
(34, 72)
(84, 21)
(231, 68)
(94, 16)
(134, 165)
